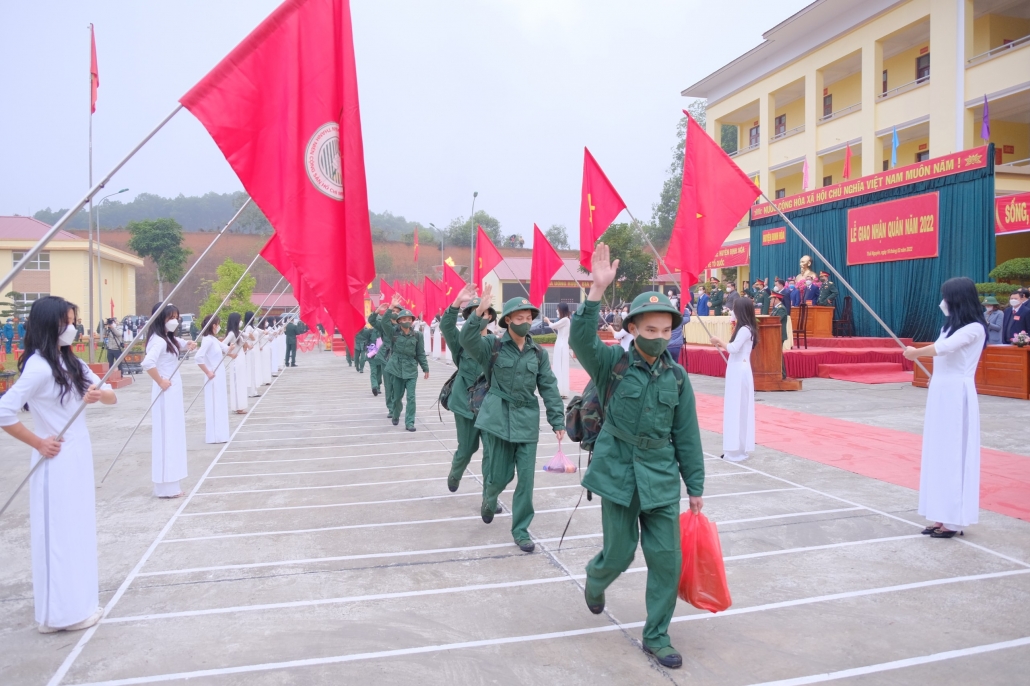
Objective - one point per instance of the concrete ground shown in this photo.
(321, 546)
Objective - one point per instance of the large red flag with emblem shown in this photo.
(714, 196)
(452, 284)
(283, 109)
(599, 207)
(487, 257)
(546, 263)
(311, 311)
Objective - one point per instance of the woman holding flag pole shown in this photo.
(236, 365)
(216, 399)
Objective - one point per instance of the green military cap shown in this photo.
(515, 305)
(405, 313)
(653, 301)
(473, 305)
(991, 300)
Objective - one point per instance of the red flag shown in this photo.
(310, 308)
(546, 263)
(452, 284)
(418, 301)
(600, 205)
(283, 109)
(112, 308)
(416, 244)
(714, 196)
(386, 290)
(847, 162)
(435, 299)
(94, 73)
(487, 257)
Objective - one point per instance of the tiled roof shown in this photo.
(285, 300)
(28, 229)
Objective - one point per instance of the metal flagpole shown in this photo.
(843, 282)
(143, 329)
(92, 343)
(34, 250)
(655, 251)
(152, 403)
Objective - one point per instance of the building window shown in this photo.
(24, 300)
(923, 67)
(922, 155)
(781, 125)
(781, 193)
(754, 137)
(39, 263)
(827, 105)
(883, 88)
(828, 180)
(886, 165)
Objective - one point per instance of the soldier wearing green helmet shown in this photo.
(408, 353)
(380, 321)
(649, 441)
(509, 420)
(468, 371)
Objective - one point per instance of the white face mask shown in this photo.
(172, 325)
(733, 317)
(67, 337)
(1015, 302)
(777, 289)
(216, 329)
(944, 308)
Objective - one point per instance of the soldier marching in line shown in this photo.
(361, 341)
(468, 371)
(509, 418)
(382, 357)
(408, 353)
(649, 441)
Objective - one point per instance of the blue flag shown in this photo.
(894, 148)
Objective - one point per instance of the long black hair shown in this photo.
(744, 311)
(210, 322)
(563, 310)
(964, 306)
(232, 326)
(157, 328)
(248, 319)
(49, 317)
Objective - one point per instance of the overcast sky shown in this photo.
(494, 96)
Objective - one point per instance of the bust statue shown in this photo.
(806, 268)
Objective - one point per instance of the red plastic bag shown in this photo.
(560, 464)
(703, 579)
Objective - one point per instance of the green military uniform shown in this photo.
(360, 349)
(408, 353)
(291, 344)
(385, 350)
(468, 371)
(761, 298)
(778, 310)
(648, 442)
(715, 302)
(509, 420)
(828, 294)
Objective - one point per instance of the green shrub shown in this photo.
(545, 338)
(1016, 270)
(1001, 291)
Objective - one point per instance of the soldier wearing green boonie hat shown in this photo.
(468, 371)
(649, 441)
(509, 419)
(407, 354)
(380, 321)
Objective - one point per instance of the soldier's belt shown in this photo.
(642, 442)
(504, 396)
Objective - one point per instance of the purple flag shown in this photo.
(985, 128)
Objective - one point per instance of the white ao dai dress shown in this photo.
(216, 397)
(949, 477)
(738, 410)
(168, 438)
(560, 361)
(236, 369)
(62, 508)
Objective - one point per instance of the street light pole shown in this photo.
(472, 239)
(441, 246)
(100, 279)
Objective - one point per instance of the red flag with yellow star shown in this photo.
(452, 284)
(714, 196)
(600, 205)
(487, 257)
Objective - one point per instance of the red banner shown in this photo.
(1012, 213)
(774, 236)
(733, 255)
(904, 229)
(975, 158)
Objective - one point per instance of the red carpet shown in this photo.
(856, 343)
(883, 454)
(869, 372)
(801, 364)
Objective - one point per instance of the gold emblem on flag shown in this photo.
(322, 160)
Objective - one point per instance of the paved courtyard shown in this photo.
(321, 546)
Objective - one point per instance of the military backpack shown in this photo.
(481, 387)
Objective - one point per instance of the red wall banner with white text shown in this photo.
(903, 229)
(1012, 213)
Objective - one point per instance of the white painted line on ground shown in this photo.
(506, 513)
(900, 664)
(318, 488)
(341, 457)
(70, 659)
(355, 445)
(355, 657)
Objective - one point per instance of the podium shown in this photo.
(820, 320)
(767, 358)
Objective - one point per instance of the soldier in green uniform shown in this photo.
(716, 299)
(379, 323)
(291, 344)
(779, 310)
(827, 290)
(761, 296)
(379, 359)
(361, 349)
(649, 441)
(407, 354)
(468, 371)
(509, 419)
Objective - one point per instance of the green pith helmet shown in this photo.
(991, 300)
(473, 305)
(514, 305)
(405, 313)
(653, 301)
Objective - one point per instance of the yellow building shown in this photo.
(841, 73)
(62, 268)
